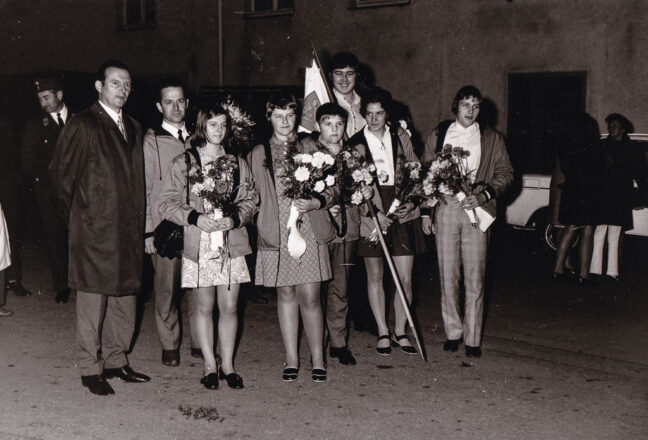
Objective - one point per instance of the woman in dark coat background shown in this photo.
(579, 167)
(623, 166)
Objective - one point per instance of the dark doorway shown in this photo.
(539, 105)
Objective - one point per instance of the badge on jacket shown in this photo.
(45, 122)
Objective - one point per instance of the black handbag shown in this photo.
(168, 237)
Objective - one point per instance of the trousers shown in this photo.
(336, 295)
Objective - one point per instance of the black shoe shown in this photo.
(451, 345)
(126, 374)
(62, 296)
(97, 385)
(558, 277)
(210, 381)
(612, 279)
(343, 354)
(383, 351)
(233, 380)
(584, 281)
(290, 374)
(171, 358)
(17, 288)
(409, 349)
(196, 353)
(473, 352)
(319, 375)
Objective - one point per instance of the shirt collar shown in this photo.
(112, 113)
(460, 128)
(64, 114)
(174, 131)
(343, 102)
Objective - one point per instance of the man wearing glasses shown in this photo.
(343, 74)
(97, 174)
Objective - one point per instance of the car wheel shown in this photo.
(552, 236)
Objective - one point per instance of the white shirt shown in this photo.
(174, 131)
(382, 153)
(63, 112)
(355, 121)
(112, 113)
(468, 138)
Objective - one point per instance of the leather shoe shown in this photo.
(383, 351)
(233, 380)
(97, 385)
(409, 349)
(290, 374)
(196, 353)
(210, 381)
(5, 312)
(17, 288)
(126, 374)
(62, 296)
(473, 352)
(171, 358)
(319, 375)
(451, 345)
(343, 354)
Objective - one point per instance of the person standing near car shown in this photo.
(161, 145)
(38, 140)
(97, 175)
(623, 166)
(460, 245)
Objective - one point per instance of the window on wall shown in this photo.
(268, 8)
(373, 3)
(135, 14)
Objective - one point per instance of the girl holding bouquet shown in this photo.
(297, 278)
(214, 266)
(388, 147)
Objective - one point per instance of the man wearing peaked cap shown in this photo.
(39, 137)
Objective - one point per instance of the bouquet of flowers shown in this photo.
(409, 188)
(215, 184)
(448, 175)
(304, 175)
(241, 135)
(354, 172)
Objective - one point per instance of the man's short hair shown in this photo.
(101, 71)
(170, 81)
(344, 59)
(331, 109)
(627, 126)
(281, 101)
(464, 93)
(377, 96)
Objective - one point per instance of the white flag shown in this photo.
(315, 94)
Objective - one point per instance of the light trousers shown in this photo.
(613, 234)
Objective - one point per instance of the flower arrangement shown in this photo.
(448, 175)
(354, 172)
(241, 136)
(409, 188)
(214, 183)
(303, 176)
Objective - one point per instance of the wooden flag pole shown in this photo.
(392, 268)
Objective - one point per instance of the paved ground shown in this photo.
(559, 363)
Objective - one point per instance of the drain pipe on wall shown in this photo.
(220, 43)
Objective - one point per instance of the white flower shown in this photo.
(330, 180)
(403, 125)
(318, 159)
(209, 183)
(371, 168)
(356, 198)
(303, 158)
(302, 174)
(319, 186)
(357, 176)
(197, 188)
(329, 159)
(415, 173)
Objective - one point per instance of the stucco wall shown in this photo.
(422, 52)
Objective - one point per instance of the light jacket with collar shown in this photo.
(173, 207)
(495, 172)
(267, 223)
(402, 150)
(160, 148)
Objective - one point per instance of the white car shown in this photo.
(531, 210)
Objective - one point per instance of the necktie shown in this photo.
(120, 124)
(180, 136)
(60, 120)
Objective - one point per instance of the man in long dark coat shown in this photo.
(98, 176)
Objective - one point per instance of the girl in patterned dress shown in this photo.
(215, 275)
(297, 280)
